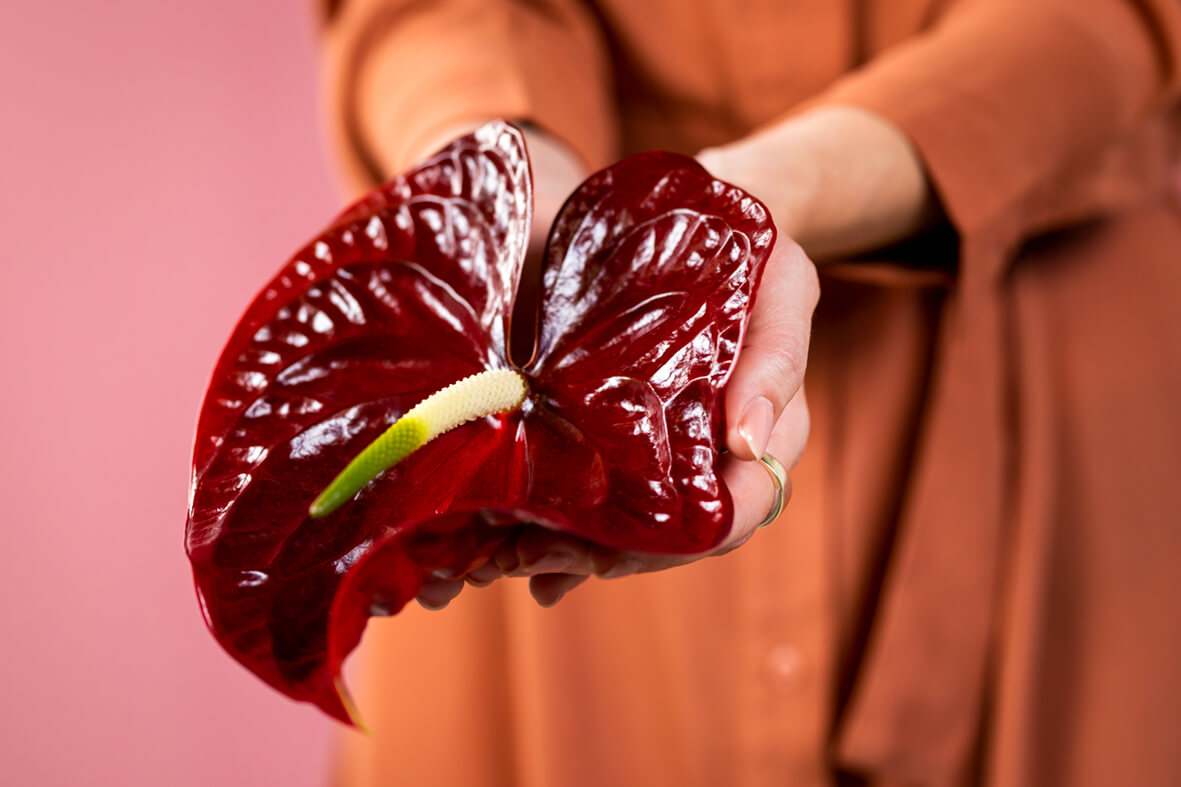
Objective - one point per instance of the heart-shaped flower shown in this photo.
(648, 279)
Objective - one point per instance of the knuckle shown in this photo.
(800, 271)
(788, 364)
(779, 366)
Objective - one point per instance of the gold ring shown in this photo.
(779, 478)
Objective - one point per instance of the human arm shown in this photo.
(974, 102)
(996, 116)
(839, 180)
(390, 113)
(1022, 112)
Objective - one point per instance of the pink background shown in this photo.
(158, 161)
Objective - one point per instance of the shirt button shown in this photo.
(787, 670)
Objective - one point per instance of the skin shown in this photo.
(839, 181)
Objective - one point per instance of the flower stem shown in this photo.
(481, 394)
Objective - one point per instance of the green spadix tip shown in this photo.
(485, 393)
(394, 445)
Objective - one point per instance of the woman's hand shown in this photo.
(839, 180)
(767, 413)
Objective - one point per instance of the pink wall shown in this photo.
(158, 161)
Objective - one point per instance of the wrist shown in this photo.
(839, 180)
(871, 186)
(773, 165)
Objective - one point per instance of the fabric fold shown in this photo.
(919, 693)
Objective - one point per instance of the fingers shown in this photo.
(751, 485)
(542, 551)
(556, 563)
(438, 593)
(770, 367)
(548, 589)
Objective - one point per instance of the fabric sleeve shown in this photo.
(400, 72)
(1017, 108)
(1003, 98)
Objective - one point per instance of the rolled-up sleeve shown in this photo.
(399, 72)
(1002, 96)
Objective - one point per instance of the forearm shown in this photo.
(992, 106)
(839, 180)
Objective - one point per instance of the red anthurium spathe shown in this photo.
(648, 279)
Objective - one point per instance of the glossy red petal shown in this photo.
(650, 275)
(387, 576)
(651, 271)
(410, 290)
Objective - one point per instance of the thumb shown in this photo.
(770, 366)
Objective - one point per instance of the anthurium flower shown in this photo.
(611, 432)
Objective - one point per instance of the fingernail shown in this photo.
(624, 568)
(550, 563)
(755, 425)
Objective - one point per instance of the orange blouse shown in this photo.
(976, 578)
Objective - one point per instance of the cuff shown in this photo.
(1003, 95)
